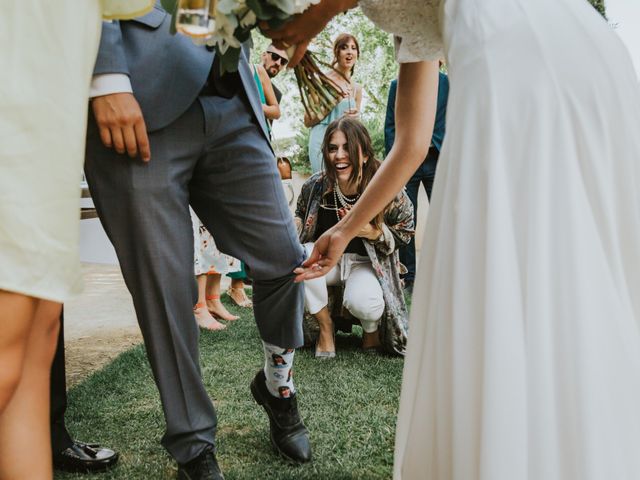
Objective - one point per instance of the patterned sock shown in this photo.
(278, 368)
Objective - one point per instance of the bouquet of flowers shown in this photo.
(226, 24)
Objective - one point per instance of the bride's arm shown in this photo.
(415, 113)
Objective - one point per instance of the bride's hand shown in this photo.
(300, 30)
(326, 252)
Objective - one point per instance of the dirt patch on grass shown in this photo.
(85, 355)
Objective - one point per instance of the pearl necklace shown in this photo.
(342, 201)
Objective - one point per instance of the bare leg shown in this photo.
(25, 440)
(370, 340)
(203, 317)
(237, 293)
(215, 306)
(16, 317)
(326, 339)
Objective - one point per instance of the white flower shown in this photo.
(248, 20)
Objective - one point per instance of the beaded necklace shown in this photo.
(341, 200)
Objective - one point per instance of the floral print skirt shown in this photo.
(207, 258)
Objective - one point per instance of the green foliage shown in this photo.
(349, 406)
(599, 5)
(169, 5)
(300, 160)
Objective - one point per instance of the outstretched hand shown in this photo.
(326, 252)
(304, 27)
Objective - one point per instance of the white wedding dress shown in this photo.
(523, 360)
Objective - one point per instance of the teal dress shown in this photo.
(263, 98)
(317, 132)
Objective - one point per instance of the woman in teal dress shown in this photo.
(346, 52)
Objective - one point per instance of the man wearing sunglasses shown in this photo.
(274, 61)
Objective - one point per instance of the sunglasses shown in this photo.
(278, 58)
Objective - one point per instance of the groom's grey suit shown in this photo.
(211, 152)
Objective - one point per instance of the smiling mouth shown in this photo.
(342, 166)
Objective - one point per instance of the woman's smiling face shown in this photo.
(340, 158)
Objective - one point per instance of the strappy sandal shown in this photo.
(204, 318)
(239, 297)
(225, 314)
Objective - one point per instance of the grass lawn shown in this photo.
(349, 405)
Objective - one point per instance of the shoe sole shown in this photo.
(73, 468)
(258, 398)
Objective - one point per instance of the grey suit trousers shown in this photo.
(216, 158)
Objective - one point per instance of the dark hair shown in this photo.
(358, 143)
(340, 41)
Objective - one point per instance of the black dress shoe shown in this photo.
(84, 457)
(203, 467)
(288, 434)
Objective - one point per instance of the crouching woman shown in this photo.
(369, 270)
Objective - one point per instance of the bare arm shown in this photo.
(415, 114)
(271, 109)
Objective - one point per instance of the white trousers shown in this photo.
(362, 292)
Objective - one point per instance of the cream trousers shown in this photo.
(362, 292)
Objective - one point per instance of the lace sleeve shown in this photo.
(414, 23)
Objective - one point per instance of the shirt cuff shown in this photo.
(109, 83)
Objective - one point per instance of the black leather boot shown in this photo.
(288, 435)
(203, 467)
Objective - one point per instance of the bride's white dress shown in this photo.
(524, 352)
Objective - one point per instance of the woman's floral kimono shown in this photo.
(397, 230)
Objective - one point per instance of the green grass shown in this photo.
(349, 405)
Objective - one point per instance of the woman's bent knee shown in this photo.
(365, 308)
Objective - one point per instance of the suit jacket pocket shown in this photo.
(152, 19)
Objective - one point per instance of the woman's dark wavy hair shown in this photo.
(358, 143)
(338, 43)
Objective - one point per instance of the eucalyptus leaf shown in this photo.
(169, 5)
(172, 27)
(242, 34)
(229, 61)
(263, 10)
(276, 23)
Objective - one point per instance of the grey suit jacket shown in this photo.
(166, 71)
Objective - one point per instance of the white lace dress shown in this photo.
(523, 360)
